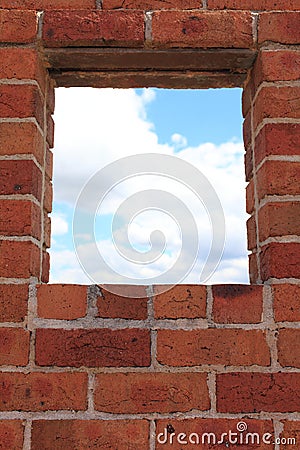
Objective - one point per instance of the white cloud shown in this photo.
(59, 224)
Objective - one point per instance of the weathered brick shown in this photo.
(19, 259)
(61, 301)
(48, 4)
(248, 161)
(49, 163)
(231, 347)
(277, 139)
(11, 434)
(207, 433)
(291, 434)
(93, 348)
(289, 348)
(280, 27)
(21, 138)
(151, 392)
(237, 303)
(50, 131)
(151, 4)
(131, 304)
(250, 199)
(43, 391)
(13, 302)
(256, 5)
(269, 64)
(47, 231)
(21, 101)
(14, 346)
(253, 268)
(48, 196)
(280, 260)
(278, 178)
(90, 434)
(20, 177)
(286, 302)
(247, 130)
(91, 28)
(182, 301)
(251, 233)
(255, 392)
(18, 26)
(279, 219)
(276, 102)
(20, 218)
(227, 29)
(45, 267)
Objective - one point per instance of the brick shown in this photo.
(18, 26)
(22, 63)
(48, 4)
(248, 161)
(247, 131)
(277, 139)
(251, 233)
(20, 177)
(133, 393)
(90, 434)
(182, 301)
(248, 93)
(291, 431)
(50, 131)
(253, 269)
(14, 346)
(21, 101)
(280, 260)
(19, 259)
(278, 178)
(256, 392)
(61, 301)
(48, 197)
(250, 199)
(93, 348)
(131, 305)
(11, 434)
(276, 102)
(286, 302)
(49, 163)
(45, 267)
(20, 218)
(256, 5)
(47, 231)
(151, 4)
(279, 219)
(268, 66)
(13, 302)
(280, 27)
(92, 28)
(21, 138)
(43, 391)
(198, 431)
(289, 348)
(231, 347)
(227, 29)
(237, 303)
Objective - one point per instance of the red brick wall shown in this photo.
(83, 368)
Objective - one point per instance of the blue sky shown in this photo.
(95, 127)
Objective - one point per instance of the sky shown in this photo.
(113, 223)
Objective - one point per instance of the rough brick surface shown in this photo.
(93, 348)
(286, 302)
(182, 301)
(43, 391)
(18, 26)
(269, 63)
(291, 431)
(151, 4)
(14, 346)
(13, 302)
(131, 305)
(279, 219)
(256, 5)
(202, 29)
(280, 27)
(21, 138)
(20, 177)
(11, 434)
(21, 101)
(20, 218)
(214, 346)
(48, 4)
(62, 301)
(19, 259)
(237, 303)
(150, 392)
(209, 432)
(90, 434)
(105, 28)
(255, 392)
(289, 348)
(280, 260)
(251, 233)
(278, 178)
